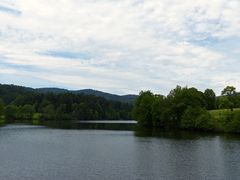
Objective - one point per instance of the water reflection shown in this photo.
(101, 125)
(32, 152)
(182, 135)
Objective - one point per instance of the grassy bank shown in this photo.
(219, 113)
(226, 120)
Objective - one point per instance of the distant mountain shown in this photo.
(13, 90)
(125, 98)
(10, 92)
(51, 90)
(108, 96)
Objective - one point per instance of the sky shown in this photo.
(120, 46)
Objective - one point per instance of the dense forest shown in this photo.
(20, 104)
(190, 109)
(183, 108)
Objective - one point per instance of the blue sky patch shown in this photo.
(68, 54)
(9, 10)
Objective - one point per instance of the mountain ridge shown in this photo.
(122, 98)
(128, 98)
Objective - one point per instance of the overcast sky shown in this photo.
(120, 46)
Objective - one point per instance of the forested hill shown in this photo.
(22, 103)
(12, 90)
(108, 96)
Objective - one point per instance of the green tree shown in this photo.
(158, 107)
(237, 101)
(61, 113)
(143, 108)
(1, 108)
(224, 103)
(196, 118)
(25, 112)
(210, 98)
(179, 100)
(49, 112)
(11, 113)
(229, 91)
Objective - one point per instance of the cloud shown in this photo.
(121, 46)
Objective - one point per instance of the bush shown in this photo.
(204, 121)
(25, 112)
(11, 113)
(234, 124)
(196, 118)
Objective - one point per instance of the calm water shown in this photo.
(110, 122)
(28, 152)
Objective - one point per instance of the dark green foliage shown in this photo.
(1, 108)
(125, 98)
(210, 99)
(229, 91)
(19, 113)
(48, 112)
(143, 108)
(10, 92)
(236, 100)
(25, 112)
(11, 113)
(187, 108)
(24, 103)
(158, 107)
(196, 119)
(108, 96)
(157, 110)
(179, 99)
(236, 122)
(224, 103)
(189, 118)
(182, 108)
(81, 107)
(229, 98)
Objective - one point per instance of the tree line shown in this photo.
(191, 109)
(19, 105)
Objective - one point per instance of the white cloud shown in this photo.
(132, 44)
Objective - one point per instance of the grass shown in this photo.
(226, 120)
(223, 112)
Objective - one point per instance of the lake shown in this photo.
(36, 152)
